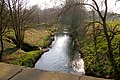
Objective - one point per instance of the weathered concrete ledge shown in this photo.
(13, 72)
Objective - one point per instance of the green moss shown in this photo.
(22, 58)
(7, 42)
(30, 59)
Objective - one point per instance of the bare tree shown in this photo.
(35, 16)
(3, 23)
(109, 39)
(19, 15)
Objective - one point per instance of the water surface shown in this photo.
(62, 56)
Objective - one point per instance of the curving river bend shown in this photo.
(62, 56)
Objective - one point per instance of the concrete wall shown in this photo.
(13, 72)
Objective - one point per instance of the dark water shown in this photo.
(62, 56)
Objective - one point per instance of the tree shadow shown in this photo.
(10, 50)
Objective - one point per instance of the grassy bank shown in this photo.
(97, 62)
(34, 37)
(22, 58)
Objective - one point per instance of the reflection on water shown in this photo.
(61, 57)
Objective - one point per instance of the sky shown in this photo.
(47, 3)
(112, 5)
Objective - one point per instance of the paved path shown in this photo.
(13, 72)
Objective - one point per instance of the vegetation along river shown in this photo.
(62, 56)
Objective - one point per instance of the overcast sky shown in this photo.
(112, 5)
(48, 3)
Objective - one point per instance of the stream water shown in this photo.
(62, 56)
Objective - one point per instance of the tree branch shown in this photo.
(98, 10)
(106, 8)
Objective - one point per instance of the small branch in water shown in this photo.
(44, 49)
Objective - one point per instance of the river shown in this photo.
(62, 56)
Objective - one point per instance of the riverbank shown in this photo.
(35, 40)
(94, 47)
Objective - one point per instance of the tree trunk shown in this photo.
(112, 60)
(1, 42)
(19, 40)
(110, 51)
